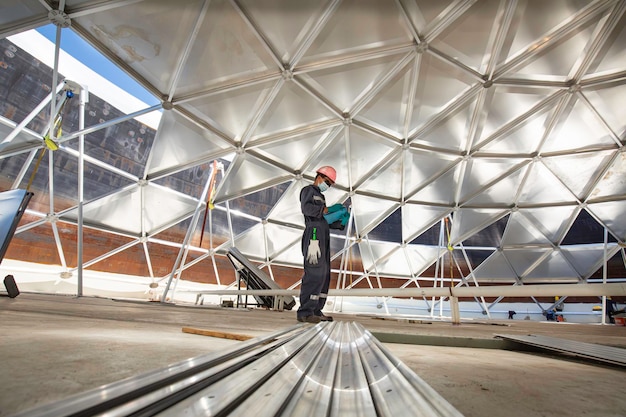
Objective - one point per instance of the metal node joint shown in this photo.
(59, 18)
(421, 47)
(574, 88)
(287, 74)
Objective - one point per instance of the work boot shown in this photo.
(323, 317)
(309, 319)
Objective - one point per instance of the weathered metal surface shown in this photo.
(609, 354)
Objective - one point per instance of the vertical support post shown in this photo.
(604, 273)
(84, 98)
(454, 308)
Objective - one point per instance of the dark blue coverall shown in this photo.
(316, 278)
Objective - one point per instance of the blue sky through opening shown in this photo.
(77, 47)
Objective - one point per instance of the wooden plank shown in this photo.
(214, 333)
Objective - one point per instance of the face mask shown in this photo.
(323, 186)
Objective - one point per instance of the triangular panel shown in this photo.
(344, 85)
(287, 209)
(421, 257)
(606, 103)
(386, 111)
(481, 171)
(395, 264)
(438, 85)
(495, 268)
(284, 34)
(537, 20)
(522, 139)
(611, 214)
(520, 231)
(442, 190)
(251, 243)
(379, 23)
(386, 182)
(248, 174)
(551, 221)
(420, 166)
(224, 48)
(452, 132)
(390, 229)
(501, 193)
(612, 182)
(294, 151)
(479, 20)
(541, 187)
(369, 211)
(191, 180)
(522, 260)
(579, 171)
(557, 60)
(611, 57)
(231, 111)
(425, 12)
(292, 256)
(179, 142)
(466, 222)
(291, 108)
(417, 218)
(586, 259)
(554, 267)
(366, 151)
(507, 103)
(372, 251)
(126, 211)
(279, 238)
(162, 206)
(580, 129)
(124, 35)
(258, 204)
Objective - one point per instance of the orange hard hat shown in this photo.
(328, 171)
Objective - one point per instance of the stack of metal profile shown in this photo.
(330, 369)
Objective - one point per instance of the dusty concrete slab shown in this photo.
(55, 346)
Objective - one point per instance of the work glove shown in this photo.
(341, 218)
(335, 207)
(313, 253)
(345, 218)
(334, 216)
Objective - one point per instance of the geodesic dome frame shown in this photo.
(477, 142)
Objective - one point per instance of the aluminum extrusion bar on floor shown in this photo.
(608, 354)
(120, 393)
(331, 369)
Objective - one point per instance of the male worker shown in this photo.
(315, 247)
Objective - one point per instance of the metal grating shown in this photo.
(608, 354)
(330, 369)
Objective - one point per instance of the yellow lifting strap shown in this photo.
(49, 143)
(450, 248)
(210, 205)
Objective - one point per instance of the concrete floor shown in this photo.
(55, 346)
